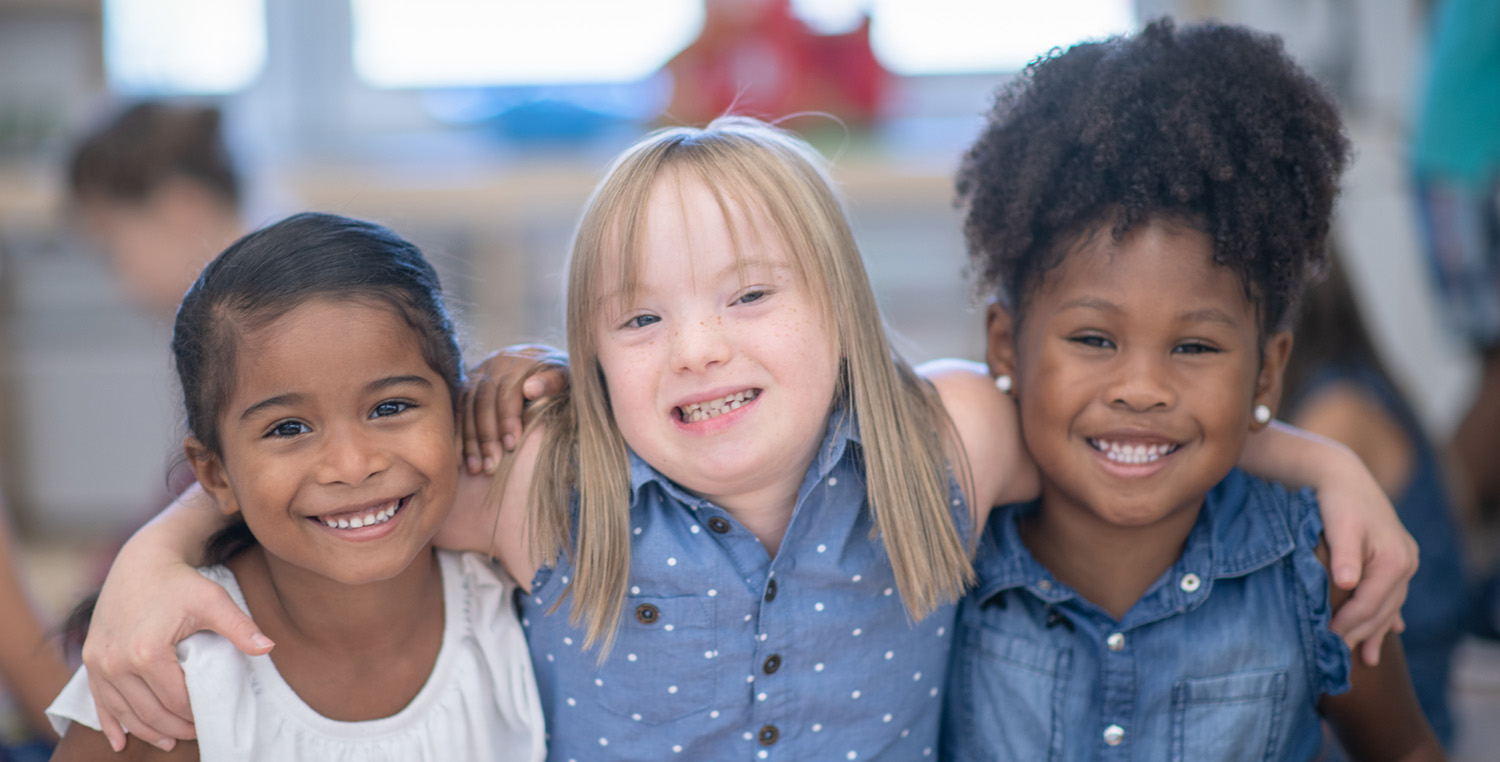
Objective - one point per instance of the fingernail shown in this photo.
(261, 641)
(473, 465)
(118, 746)
(508, 441)
(489, 464)
(166, 744)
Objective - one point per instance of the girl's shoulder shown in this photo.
(989, 431)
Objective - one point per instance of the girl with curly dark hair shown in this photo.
(1146, 211)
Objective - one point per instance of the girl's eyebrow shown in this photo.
(1203, 315)
(379, 384)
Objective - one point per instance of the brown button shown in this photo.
(718, 524)
(773, 663)
(770, 591)
(768, 735)
(646, 613)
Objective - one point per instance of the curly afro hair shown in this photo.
(1209, 124)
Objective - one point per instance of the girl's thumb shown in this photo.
(226, 619)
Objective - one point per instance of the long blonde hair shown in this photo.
(902, 425)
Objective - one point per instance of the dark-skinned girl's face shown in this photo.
(1137, 366)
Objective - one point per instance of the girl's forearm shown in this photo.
(30, 663)
(181, 530)
(1289, 455)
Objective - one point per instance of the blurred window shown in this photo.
(917, 37)
(183, 47)
(469, 43)
(479, 43)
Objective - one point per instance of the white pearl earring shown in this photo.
(1003, 382)
(1262, 414)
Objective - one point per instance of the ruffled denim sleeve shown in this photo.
(1328, 656)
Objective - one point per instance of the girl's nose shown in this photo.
(700, 343)
(1141, 382)
(350, 455)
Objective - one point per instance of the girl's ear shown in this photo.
(1272, 363)
(209, 469)
(1000, 341)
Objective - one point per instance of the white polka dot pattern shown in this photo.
(808, 655)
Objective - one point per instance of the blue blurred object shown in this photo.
(551, 114)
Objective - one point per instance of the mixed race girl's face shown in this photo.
(720, 368)
(338, 441)
(1137, 367)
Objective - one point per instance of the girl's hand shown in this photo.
(152, 598)
(1372, 555)
(496, 394)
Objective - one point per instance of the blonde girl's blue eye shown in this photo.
(287, 429)
(641, 321)
(753, 295)
(388, 408)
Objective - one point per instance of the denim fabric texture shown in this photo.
(1223, 658)
(725, 653)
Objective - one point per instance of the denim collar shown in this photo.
(1237, 532)
(840, 431)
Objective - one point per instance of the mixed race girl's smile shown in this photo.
(357, 518)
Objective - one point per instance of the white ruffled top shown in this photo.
(480, 703)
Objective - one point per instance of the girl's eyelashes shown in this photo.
(641, 321)
(1194, 348)
(387, 408)
(754, 294)
(286, 429)
(1092, 340)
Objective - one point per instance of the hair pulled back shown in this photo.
(1211, 124)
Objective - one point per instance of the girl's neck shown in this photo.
(766, 512)
(1108, 564)
(330, 635)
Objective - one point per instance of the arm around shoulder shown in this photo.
(989, 431)
(491, 514)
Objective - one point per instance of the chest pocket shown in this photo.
(1006, 698)
(1234, 718)
(664, 664)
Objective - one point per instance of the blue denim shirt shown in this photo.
(808, 656)
(1224, 658)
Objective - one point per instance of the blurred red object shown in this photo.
(755, 57)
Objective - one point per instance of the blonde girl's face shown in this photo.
(338, 442)
(1137, 369)
(720, 368)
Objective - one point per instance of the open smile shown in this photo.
(697, 412)
(364, 517)
(1133, 454)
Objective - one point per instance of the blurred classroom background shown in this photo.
(477, 129)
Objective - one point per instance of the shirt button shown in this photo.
(1190, 583)
(1113, 735)
(768, 735)
(1044, 584)
(772, 663)
(718, 524)
(646, 613)
(770, 591)
(1115, 642)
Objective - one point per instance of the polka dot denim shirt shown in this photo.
(724, 653)
(1223, 658)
